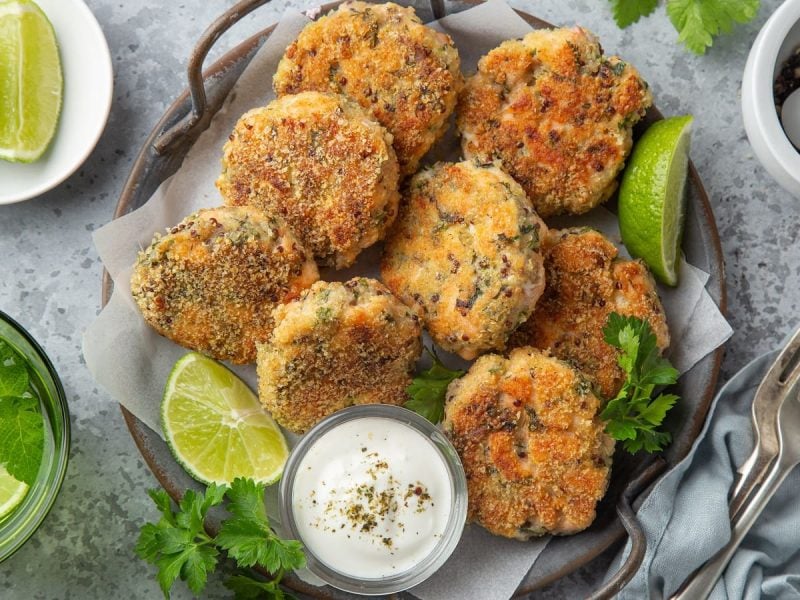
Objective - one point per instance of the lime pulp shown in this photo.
(31, 84)
(216, 427)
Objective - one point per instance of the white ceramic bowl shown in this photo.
(88, 88)
(777, 39)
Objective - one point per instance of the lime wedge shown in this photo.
(216, 427)
(30, 81)
(11, 492)
(651, 196)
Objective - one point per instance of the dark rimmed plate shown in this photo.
(701, 246)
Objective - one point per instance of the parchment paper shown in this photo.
(132, 362)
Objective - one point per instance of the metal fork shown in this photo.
(701, 583)
(780, 378)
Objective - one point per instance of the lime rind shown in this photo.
(672, 224)
(652, 196)
(215, 426)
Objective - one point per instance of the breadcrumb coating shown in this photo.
(535, 452)
(210, 283)
(323, 164)
(338, 345)
(464, 254)
(557, 114)
(586, 282)
(405, 74)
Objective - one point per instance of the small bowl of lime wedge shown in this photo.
(56, 84)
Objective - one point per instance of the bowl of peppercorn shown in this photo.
(771, 96)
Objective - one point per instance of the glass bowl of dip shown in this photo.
(378, 497)
(23, 520)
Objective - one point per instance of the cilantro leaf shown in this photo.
(633, 415)
(247, 536)
(21, 437)
(177, 544)
(201, 561)
(428, 390)
(699, 21)
(181, 549)
(247, 588)
(627, 12)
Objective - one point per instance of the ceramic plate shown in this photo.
(563, 554)
(88, 85)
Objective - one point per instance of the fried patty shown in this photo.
(211, 282)
(464, 253)
(535, 452)
(405, 74)
(339, 344)
(586, 282)
(557, 113)
(323, 164)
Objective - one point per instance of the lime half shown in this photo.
(11, 492)
(651, 196)
(30, 81)
(216, 427)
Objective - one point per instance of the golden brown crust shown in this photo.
(381, 55)
(464, 254)
(211, 282)
(586, 282)
(337, 345)
(320, 162)
(557, 114)
(535, 452)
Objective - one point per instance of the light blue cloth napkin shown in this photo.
(686, 521)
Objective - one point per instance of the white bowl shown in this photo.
(777, 39)
(88, 87)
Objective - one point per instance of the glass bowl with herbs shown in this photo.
(34, 435)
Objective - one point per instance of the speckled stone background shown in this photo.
(51, 275)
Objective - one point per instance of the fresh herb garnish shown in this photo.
(627, 12)
(180, 547)
(427, 391)
(21, 420)
(633, 416)
(698, 22)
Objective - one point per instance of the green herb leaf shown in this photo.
(13, 377)
(181, 549)
(428, 390)
(627, 12)
(247, 588)
(247, 536)
(21, 437)
(699, 21)
(633, 415)
(177, 544)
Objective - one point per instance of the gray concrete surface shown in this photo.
(51, 275)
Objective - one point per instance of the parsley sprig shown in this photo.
(428, 390)
(634, 416)
(698, 22)
(180, 547)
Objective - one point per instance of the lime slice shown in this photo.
(30, 81)
(216, 427)
(11, 492)
(651, 196)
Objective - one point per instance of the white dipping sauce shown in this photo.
(371, 498)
